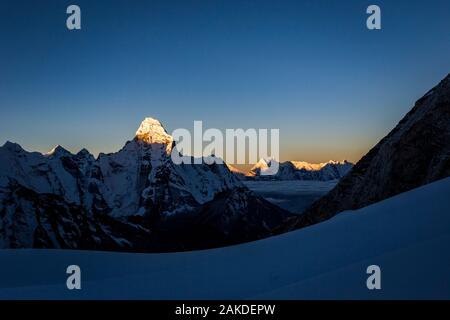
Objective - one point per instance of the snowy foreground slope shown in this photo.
(408, 236)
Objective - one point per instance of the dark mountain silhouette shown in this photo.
(414, 153)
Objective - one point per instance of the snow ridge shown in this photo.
(301, 170)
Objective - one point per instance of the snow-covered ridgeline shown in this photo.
(301, 170)
(135, 199)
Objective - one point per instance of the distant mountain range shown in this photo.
(300, 170)
(136, 199)
(416, 152)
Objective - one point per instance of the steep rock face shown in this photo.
(234, 216)
(119, 201)
(414, 153)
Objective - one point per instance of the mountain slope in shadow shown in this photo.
(414, 153)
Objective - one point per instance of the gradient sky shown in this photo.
(310, 68)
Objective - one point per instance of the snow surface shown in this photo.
(408, 236)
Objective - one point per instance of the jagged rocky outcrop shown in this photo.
(414, 153)
(300, 170)
(136, 199)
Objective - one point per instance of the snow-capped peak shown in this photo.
(263, 163)
(337, 162)
(151, 131)
(57, 151)
(306, 165)
(12, 146)
(292, 170)
(316, 166)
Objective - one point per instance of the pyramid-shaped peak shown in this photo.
(84, 153)
(150, 122)
(12, 146)
(264, 163)
(58, 151)
(152, 131)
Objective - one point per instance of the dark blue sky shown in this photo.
(310, 68)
